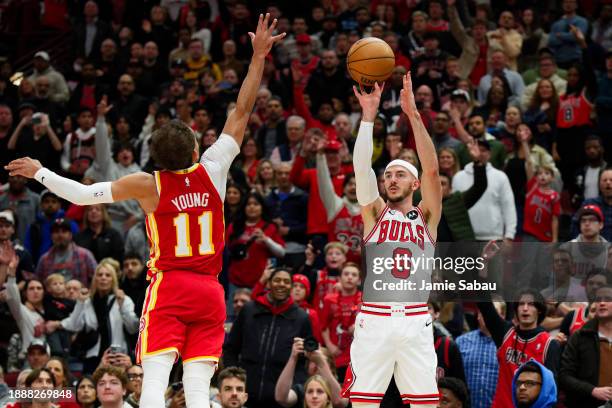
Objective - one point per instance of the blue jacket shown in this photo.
(548, 391)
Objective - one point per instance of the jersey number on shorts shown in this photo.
(399, 271)
(183, 241)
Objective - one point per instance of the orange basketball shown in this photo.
(370, 60)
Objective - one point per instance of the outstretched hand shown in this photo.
(103, 107)
(25, 167)
(407, 101)
(369, 101)
(262, 39)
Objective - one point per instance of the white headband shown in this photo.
(403, 163)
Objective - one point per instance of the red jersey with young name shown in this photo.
(338, 315)
(186, 230)
(347, 229)
(540, 207)
(513, 353)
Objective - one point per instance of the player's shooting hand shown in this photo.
(262, 39)
(407, 101)
(297, 349)
(25, 167)
(369, 101)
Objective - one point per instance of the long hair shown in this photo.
(105, 263)
(68, 379)
(455, 169)
(537, 100)
(106, 219)
(240, 221)
(86, 377)
(324, 385)
(259, 180)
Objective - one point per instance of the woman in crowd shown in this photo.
(534, 39)
(265, 180)
(234, 196)
(448, 161)
(252, 239)
(61, 372)
(98, 235)
(86, 392)
(541, 114)
(495, 105)
(102, 315)
(30, 314)
(249, 159)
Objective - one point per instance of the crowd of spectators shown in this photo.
(529, 82)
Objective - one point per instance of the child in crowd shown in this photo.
(57, 307)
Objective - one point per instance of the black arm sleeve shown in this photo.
(566, 323)
(497, 326)
(552, 360)
(473, 194)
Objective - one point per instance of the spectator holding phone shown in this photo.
(34, 137)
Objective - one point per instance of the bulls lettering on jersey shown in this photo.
(513, 353)
(187, 229)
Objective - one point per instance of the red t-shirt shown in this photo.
(540, 207)
(338, 315)
(480, 68)
(246, 272)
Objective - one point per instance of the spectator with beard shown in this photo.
(476, 129)
(231, 383)
(328, 81)
(38, 237)
(585, 183)
(65, 257)
(534, 386)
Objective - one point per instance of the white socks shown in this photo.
(156, 375)
(196, 383)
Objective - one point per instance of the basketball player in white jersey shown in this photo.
(393, 334)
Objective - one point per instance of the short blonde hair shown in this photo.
(337, 245)
(53, 278)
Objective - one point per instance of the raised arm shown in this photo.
(365, 178)
(262, 42)
(103, 148)
(431, 191)
(331, 201)
(138, 186)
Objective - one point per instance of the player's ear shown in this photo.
(416, 185)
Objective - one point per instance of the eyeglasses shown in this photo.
(135, 376)
(528, 383)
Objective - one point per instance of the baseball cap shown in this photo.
(591, 209)
(333, 145)
(41, 344)
(61, 223)
(460, 93)
(302, 39)
(42, 54)
(8, 216)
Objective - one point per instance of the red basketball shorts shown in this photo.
(183, 312)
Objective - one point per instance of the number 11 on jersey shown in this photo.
(183, 242)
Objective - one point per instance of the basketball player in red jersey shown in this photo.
(393, 336)
(184, 308)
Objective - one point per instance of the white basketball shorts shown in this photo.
(392, 340)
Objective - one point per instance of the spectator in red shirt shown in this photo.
(306, 179)
(300, 292)
(436, 17)
(252, 239)
(338, 317)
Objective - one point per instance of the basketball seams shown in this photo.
(371, 58)
(370, 65)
